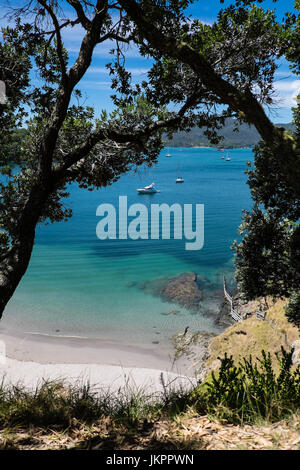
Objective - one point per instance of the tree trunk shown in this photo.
(14, 267)
(15, 263)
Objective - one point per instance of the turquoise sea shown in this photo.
(79, 285)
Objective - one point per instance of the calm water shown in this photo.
(82, 286)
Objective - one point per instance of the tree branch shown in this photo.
(67, 85)
(115, 37)
(109, 134)
(88, 44)
(85, 22)
(243, 102)
(59, 47)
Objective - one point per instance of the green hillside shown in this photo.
(247, 136)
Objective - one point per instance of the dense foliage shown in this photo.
(247, 391)
(268, 258)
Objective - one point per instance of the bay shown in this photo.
(79, 285)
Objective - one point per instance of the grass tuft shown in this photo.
(249, 392)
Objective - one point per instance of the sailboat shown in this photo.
(151, 189)
(227, 157)
(179, 179)
(221, 149)
(168, 154)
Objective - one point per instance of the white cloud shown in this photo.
(287, 86)
(132, 70)
(95, 85)
(286, 92)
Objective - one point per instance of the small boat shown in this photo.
(222, 158)
(151, 189)
(179, 179)
(168, 154)
(227, 158)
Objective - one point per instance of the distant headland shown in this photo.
(246, 137)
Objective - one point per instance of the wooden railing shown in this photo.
(233, 312)
(260, 315)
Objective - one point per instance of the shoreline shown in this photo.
(32, 359)
(70, 349)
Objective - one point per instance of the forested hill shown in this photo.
(246, 137)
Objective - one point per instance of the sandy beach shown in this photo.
(32, 358)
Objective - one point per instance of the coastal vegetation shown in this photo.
(248, 338)
(59, 416)
(12, 151)
(211, 72)
(248, 399)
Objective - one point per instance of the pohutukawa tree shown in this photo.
(204, 72)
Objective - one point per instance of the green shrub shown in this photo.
(248, 391)
(236, 393)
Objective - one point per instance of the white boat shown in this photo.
(227, 158)
(168, 154)
(148, 189)
(179, 179)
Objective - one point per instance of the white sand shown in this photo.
(30, 359)
(31, 374)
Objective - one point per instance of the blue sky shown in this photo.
(96, 83)
(286, 85)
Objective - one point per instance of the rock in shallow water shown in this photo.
(183, 290)
(171, 312)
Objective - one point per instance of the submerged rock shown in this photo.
(130, 284)
(202, 282)
(171, 312)
(183, 290)
(193, 292)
